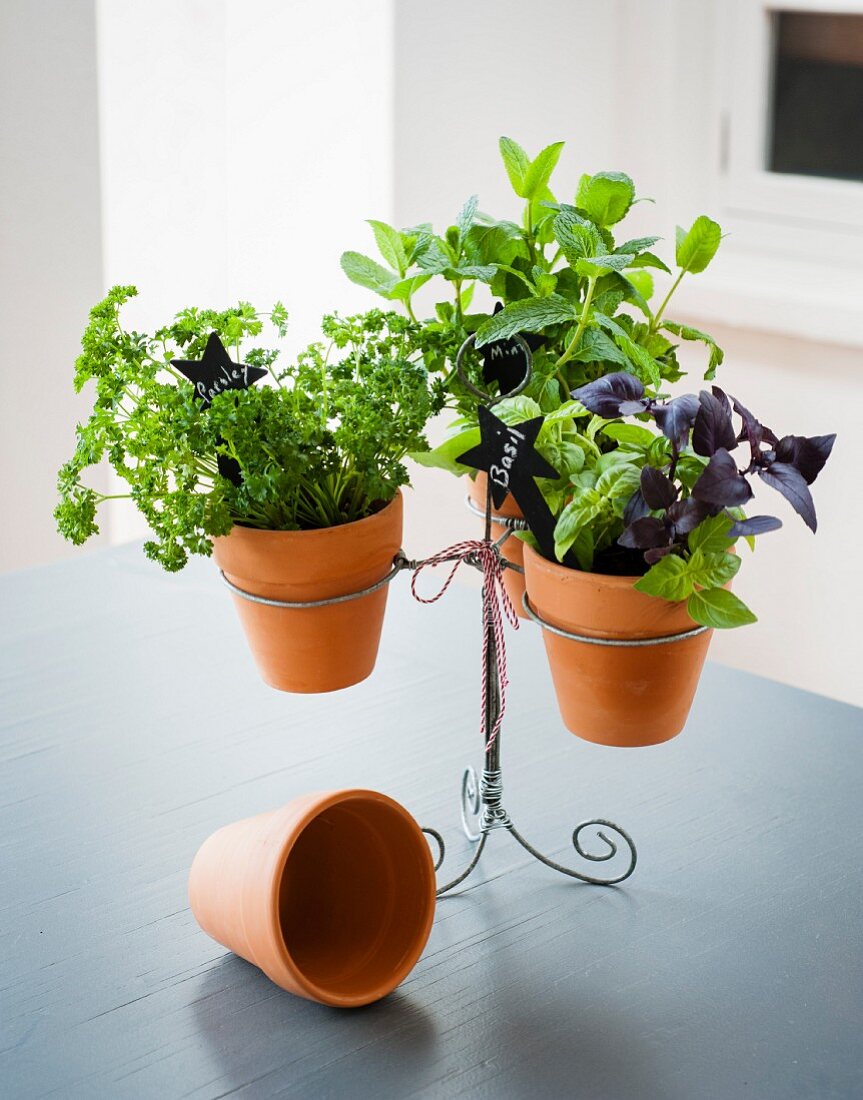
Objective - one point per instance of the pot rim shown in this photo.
(240, 531)
(324, 802)
(614, 580)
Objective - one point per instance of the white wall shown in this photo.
(50, 263)
(243, 142)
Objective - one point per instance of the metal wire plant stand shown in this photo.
(482, 808)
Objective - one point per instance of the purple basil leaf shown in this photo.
(644, 534)
(657, 490)
(753, 430)
(677, 417)
(713, 429)
(721, 484)
(721, 396)
(754, 525)
(605, 396)
(636, 508)
(788, 481)
(632, 408)
(807, 455)
(652, 556)
(687, 514)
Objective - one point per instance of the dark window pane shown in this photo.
(817, 109)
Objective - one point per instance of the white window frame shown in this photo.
(749, 187)
(793, 259)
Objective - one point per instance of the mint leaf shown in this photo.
(605, 197)
(648, 259)
(366, 272)
(516, 162)
(717, 607)
(390, 245)
(498, 243)
(697, 247)
(669, 580)
(525, 315)
(539, 173)
(596, 347)
(406, 288)
(577, 237)
(687, 332)
(646, 367)
(643, 283)
(599, 265)
(465, 219)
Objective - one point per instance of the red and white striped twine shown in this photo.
(494, 597)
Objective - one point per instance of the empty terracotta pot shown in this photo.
(332, 896)
(513, 548)
(624, 696)
(313, 649)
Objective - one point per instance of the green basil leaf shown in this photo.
(711, 535)
(444, 456)
(668, 579)
(717, 607)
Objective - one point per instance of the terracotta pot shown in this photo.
(318, 648)
(627, 696)
(513, 548)
(332, 896)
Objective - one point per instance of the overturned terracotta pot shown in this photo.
(313, 649)
(332, 896)
(626, 696)
(513, 548)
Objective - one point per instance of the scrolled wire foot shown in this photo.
(441, 856)
(603, 827)
(471, 808)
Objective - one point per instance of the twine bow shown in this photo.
(485, 555)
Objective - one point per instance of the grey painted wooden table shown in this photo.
(133, 724)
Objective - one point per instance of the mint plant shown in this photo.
(322, 444)
(556, 273)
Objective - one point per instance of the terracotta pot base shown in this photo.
(622, 696)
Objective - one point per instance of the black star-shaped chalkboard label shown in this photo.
(507, 454)
(216, 372)
(506, 362)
